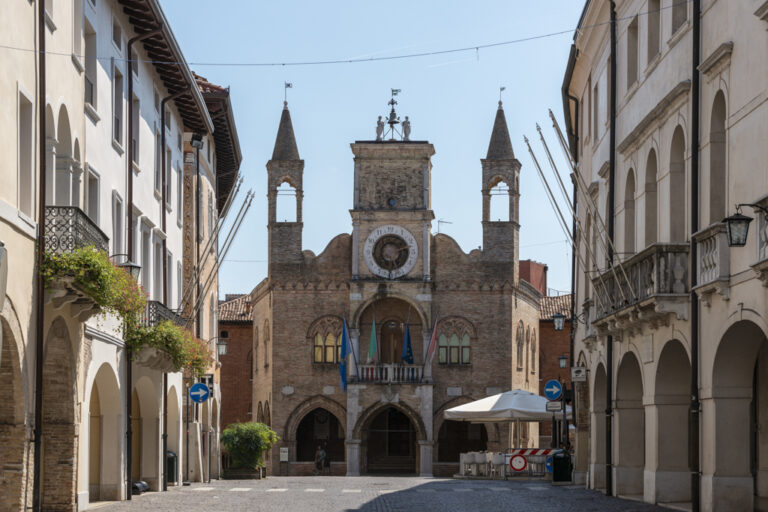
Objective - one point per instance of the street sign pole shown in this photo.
(186, 448)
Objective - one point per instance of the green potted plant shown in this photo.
(246, 443)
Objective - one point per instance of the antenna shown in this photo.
(440, 222)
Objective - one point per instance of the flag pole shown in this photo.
(352, 349)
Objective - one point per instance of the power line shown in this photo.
(358, 60)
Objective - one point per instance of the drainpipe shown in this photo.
(129, 214)
(610, 214)
(693, 436)
(197, 239)
(574, 270)
(40, 342)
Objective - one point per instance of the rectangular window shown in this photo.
(117, 35)
(158, 162)
(158, 273)
(179, 288)
(117, 225)
(91, 65)
(135, 128)
(632, 53)
(26, 173)
(595, 113)
(179, 140)
(179, 189)
(117, 107)
(77, 28)
(157, 101)
(167, 118)
(168, 182)
(92, 196)
(208, 149)
(169, 277)
(146, 262)
(210, 213)
(679, 15)
(654, 28)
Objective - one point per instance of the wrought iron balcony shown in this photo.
(393, 373)
(157, 312)
(655, 286)
(68, 228)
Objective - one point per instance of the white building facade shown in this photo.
(675, 323)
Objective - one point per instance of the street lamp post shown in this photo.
(737, 225)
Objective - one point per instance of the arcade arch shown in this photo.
(104, 439)
(629, 421)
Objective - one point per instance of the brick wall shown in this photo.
(553, 344)
(236, 373)
(535, 273)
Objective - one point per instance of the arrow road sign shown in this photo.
(548, 465)
(199, 392)
(553, 389)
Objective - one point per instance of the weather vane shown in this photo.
(288, 85)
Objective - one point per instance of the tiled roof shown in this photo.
(555, 304)
(236, 308)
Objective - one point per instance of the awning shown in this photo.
(513, 405)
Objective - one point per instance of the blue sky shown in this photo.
(451, 101)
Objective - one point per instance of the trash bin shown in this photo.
(171, 467)
(561, 467)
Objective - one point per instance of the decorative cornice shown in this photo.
(722, 54)
(656, 112)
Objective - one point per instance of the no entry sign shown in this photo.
(518, 462)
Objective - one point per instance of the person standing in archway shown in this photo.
(320, 456)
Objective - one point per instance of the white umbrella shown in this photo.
(515, 404)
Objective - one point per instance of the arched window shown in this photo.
(454, 341)
(650, 199)
(255, 349)
(266, 343)
(500, 202)
(629, 215)
(519, 341)
(527, 349)
(286, 203)
(717, 183)
(533, 351)
(260, 414)
(325, 336)
(677, 187)
(249, 359)
(587, 239)
(267, 416)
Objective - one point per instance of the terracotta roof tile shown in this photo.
(555, 304)
(236, 308)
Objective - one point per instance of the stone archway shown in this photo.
(104, 436)
(735, 473)
(671, 404)
(146, 437)
(12, 422)
(390, 437)
(629, 422)
(597, 441)
(290, 434)
(391, 315)
(174, 430)
(59, 450)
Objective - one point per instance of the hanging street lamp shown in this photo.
(737, 225)
(559, 321)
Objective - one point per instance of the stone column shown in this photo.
(425, 458)
(425, 252)
(50, 170)
(353, 457)
(63, 179)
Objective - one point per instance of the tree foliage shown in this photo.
(247, 442)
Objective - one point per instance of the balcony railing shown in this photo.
(68, 228)
(714, 264)
(157, 312)
(658, 273)
(393, 373)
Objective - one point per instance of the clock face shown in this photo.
(390, 251)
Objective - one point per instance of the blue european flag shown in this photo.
(343, 356)
(407, 355)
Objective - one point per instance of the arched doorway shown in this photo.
(104, 439)
(597, 441)
(12, 433)
(145, 464)
(59, 430)
(630, 425)
(390, 439)
(738, 470)
(672, 401)
(319, 427)
(174, 428)
(455, 437)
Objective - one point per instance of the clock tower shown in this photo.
(392, 215)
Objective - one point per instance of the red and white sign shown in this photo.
(533, 451)
(518, 462)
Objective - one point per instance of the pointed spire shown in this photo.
(500, 147)
(285, 143)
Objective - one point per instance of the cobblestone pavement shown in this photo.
(373, 494)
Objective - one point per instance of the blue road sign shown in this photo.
(553, 389)
(199, 392)
(548, 465)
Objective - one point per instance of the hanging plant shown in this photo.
(199, 357)
(91, 271)
(165, 336)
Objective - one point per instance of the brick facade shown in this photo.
(553, 345)
(236, 365)
(476, 298)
